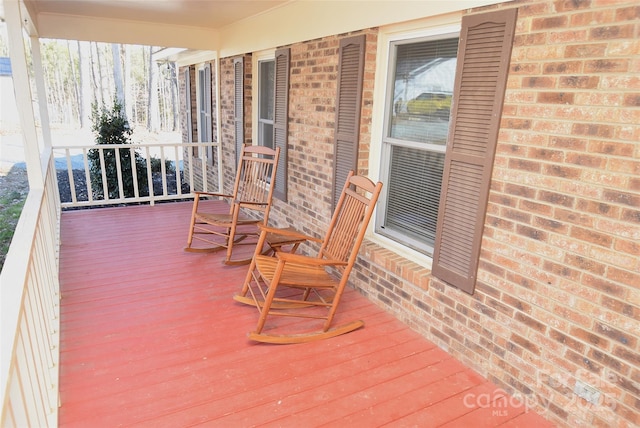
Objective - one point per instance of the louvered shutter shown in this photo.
(187, 89)
(481, 76)
(208, 119)
(348, 100)
(280, 120)
(238, 113)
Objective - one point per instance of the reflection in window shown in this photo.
(266, 93)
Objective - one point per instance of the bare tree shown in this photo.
(117, 75)
(152, 106)
(85, 99)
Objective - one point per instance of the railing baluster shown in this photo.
(87, 175)
(119, 173)
(190, 152)
(163, 170)
(178, 171)
(203, 163)
(72, 186)
(134, 172)
(103, 173)
(149, 177)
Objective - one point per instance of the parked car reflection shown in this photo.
(429, 103)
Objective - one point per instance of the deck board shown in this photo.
(150, 336)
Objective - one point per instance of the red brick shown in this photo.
(562, 171)
(549, 22)
(525, 165)
(556, 198)
(568, 143)
(579, 82)
(586, 161)
(594, 50)
(562, 67)
(571, 5)
(538, 82)
(628, 13)
(612, 32)
(606, 66)
(591, 129)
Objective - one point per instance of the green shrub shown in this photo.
(112, 127)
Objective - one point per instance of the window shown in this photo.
(418, 104)
(266, 101)
(204, 107)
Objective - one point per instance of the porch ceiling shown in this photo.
(211, 14)
(228, 27)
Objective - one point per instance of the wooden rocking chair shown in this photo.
(252, 192)
(294, 285)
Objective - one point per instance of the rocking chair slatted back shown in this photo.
(343, 233)
(252, 183)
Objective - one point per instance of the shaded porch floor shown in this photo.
(150, 336)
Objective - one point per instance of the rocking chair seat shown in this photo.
(225, 220)
(300, 275)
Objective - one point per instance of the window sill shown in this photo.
(405, 268)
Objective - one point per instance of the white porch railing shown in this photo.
(163, 166)
(29, 307)
(29, 285)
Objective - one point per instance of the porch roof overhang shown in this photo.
(227, 27)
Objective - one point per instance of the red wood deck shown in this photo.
(150, 336)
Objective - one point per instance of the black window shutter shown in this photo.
(238, 119)
(481, 77)
(348, 100)
(280, 120)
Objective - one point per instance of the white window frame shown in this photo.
(257, 58)
(442, 26)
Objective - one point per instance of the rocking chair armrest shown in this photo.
(306, 260)
(288, 231)
(220, 195)
(235, 201)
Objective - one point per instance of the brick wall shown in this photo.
(312, 94)
(557, 302)
(227, 109)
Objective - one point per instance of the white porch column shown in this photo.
(22, 88)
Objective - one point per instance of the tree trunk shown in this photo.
(128, 98)
(85, 99)
(117, 76)
(174, 95)
(75, 107)
(152, 118)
